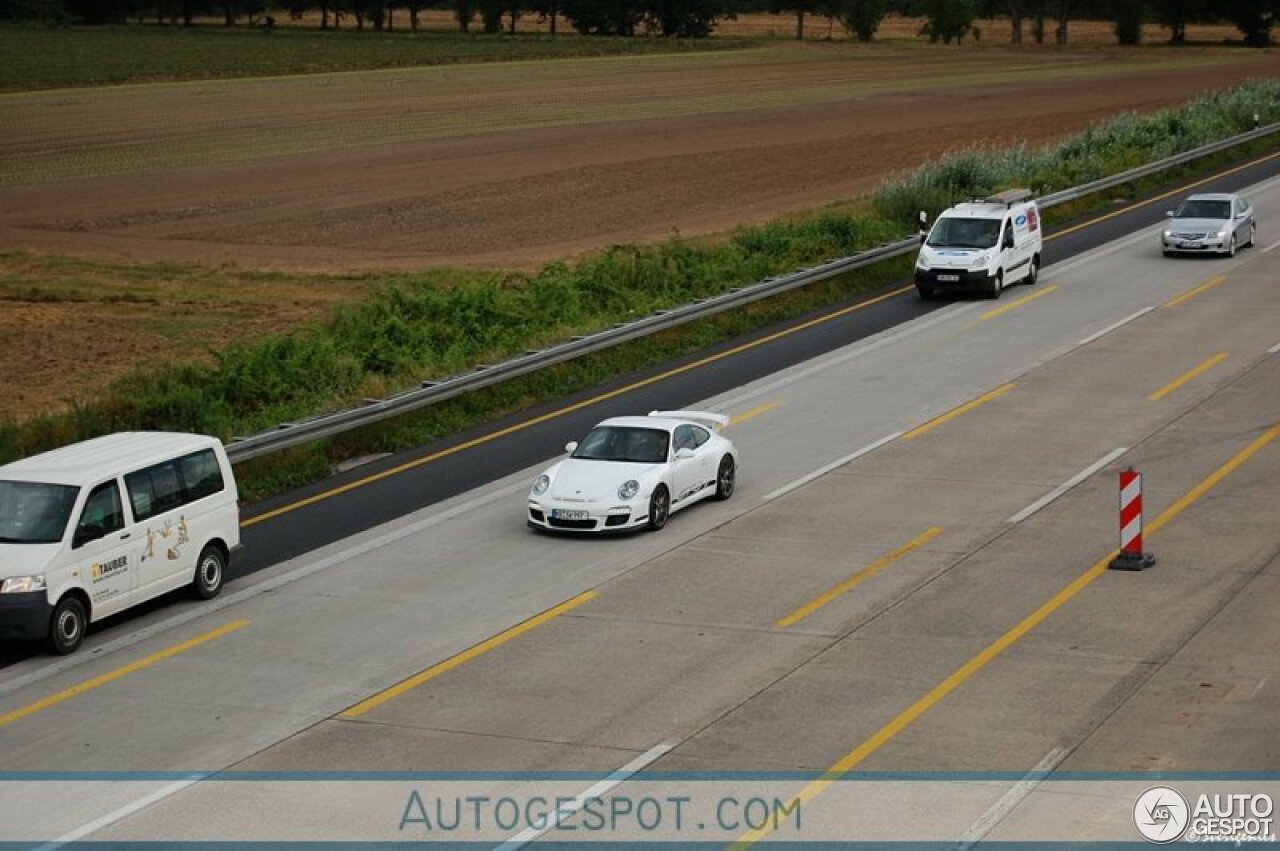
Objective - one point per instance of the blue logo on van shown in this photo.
(1021, 220)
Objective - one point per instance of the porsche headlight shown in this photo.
(22, 584)
(541, 484)
(629, 489)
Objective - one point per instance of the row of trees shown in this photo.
(946, 20)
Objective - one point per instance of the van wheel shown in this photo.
(67, 625)
(926, 292)
(996, 285)
(1033, 274)
(209, 573)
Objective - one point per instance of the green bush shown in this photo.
(1121, 143)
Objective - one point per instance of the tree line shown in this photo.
(945, 20)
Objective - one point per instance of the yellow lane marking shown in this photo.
(859, 577)
(112, 676)
(1014, 305)
(1192, 293)
(311, 500)
(577, 406)
(1186, 376)
(466, 656)
(977, 663)
(955, 412)
(1181, 189)
(753, 413)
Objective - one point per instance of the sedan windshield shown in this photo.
(1193, 209)
(624, 443)
(964, 233)
(33, 512)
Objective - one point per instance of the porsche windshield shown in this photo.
(624, 443)
(1197, 209)
(964, 233)
(33, 512)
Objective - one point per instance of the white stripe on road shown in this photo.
(1087, 340)
(529, 834)
(227, 600)
(877, 341)
(123, 812)
(1274, 349)
(1067, 485)
(1001, 808)
(839, 462)
(1271, 246)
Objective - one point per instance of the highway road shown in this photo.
(911, 577)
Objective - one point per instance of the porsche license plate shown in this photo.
(563, 514)
(949, 278)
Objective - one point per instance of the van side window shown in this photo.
(201, 474)
(173, 484)
(103, 514)
(155, 490)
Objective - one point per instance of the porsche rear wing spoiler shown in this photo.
(715, 422)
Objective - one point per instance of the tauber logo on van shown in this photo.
(1163, 815)
(108, 569)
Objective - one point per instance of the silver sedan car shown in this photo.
(1213, 223)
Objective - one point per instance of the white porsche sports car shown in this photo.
(633, 472)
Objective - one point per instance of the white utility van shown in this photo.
(982, 246)
(91, 529)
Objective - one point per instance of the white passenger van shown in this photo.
(91, 529)
(982, 246)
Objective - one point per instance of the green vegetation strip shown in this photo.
(34, 57)
(419, 326)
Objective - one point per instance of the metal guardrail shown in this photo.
(431, 392)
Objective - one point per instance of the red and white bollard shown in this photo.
(1131, 556)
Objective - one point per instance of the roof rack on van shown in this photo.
(1009, 197)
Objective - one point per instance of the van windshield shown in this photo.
(964, 233)
(34, 512)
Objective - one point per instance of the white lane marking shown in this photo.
(1270, 247)
(1274, 349)
(228, 600)
(1105, 331)
(1067, 485)
(822, 471)
(878, 341)
(529, 834)
(123, 812)
(1001, 808)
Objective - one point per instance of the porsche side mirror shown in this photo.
(684, 454)
(570, 446)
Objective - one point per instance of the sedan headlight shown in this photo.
(22, 584)
(1222, 232)
(541, 484)
(629, 489)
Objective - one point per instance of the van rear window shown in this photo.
(173, 484)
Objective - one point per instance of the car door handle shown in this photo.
(125, 536)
